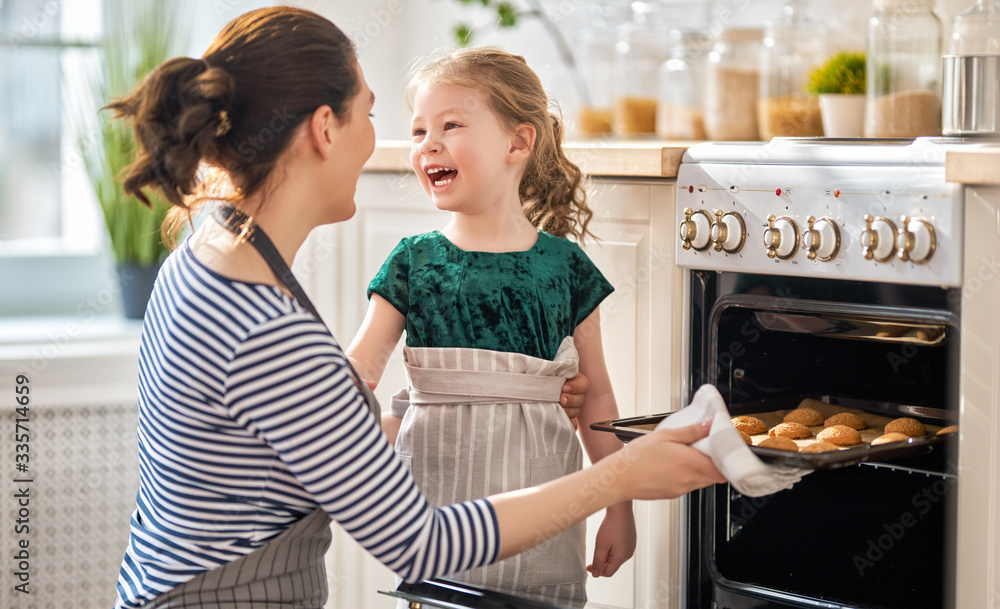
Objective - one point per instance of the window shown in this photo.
(53, 253)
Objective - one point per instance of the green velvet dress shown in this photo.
(518, 302)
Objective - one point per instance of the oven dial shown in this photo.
(729, 232)
(781, 237)
(915, 240)
(696, 229)
(821, 240)
(878, 240)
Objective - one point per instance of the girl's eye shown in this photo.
(371, 115)
(451, 125)
(417, 132)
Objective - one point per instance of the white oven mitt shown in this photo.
(743, 469)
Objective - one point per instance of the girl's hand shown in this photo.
(615, 541)
(572, 396)
(390, 427)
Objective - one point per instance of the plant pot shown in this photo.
(136, 281)
(843, 115)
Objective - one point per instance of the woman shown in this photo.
(253, 433)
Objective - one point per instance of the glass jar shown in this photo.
(680, 104)
(976, 30)
(642, 45)
(903, 96)
(793, 46)
(732, 85)
(594, 40)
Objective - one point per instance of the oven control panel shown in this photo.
(890, 223)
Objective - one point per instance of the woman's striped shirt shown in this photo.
(249, 419)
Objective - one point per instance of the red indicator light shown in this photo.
(777, 191)
(836, 193)
(690, 189)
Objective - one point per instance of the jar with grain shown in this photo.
(680, 106)
(732, 85)
(594, 38)
(793, 46)
(903, 70)
(642, 45)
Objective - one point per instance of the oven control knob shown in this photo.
(916, 241)
(878, 240)
(729, 232)
(781, 237)
(696, 229)
(821, 240)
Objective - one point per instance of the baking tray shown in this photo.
(772, 412)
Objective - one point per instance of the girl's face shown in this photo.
(460, 151)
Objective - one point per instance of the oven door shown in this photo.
(876, 534)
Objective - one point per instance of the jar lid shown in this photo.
(742, 34)
(905, 5)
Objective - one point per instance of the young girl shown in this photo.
(499, 308)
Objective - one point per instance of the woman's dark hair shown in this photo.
(237, 107)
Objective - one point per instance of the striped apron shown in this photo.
(287, 572)
(483, 422)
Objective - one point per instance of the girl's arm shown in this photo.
(598, 402)
(616, 536)
(375, 341)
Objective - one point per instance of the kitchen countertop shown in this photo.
(612, 158)
(974, 166)
(660, 159)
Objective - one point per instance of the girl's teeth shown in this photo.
(444, 182)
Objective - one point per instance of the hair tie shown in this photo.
(224, 124)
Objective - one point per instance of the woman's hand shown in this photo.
(662, 465)
(572, 396)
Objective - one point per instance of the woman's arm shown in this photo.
(657, 465)
(376, 339)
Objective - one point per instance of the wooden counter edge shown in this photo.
(973, 166)
(598, 159)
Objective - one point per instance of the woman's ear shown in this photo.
(323, 127)
(522, 143)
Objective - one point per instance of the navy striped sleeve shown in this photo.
(249, 419)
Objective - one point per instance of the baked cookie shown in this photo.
(906, 425)
(780, 443)
(819, 447)
(841, 435)
(892, 436)
(846, 418)
(948, 429)
(746, 437)
(749, 425)
(806, 416)
(790, 430)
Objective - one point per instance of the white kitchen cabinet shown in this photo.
(640, 323)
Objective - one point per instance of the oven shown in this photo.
(852, 274)
(828, 271)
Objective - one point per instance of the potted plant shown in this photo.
(840, 84)
(140, 36)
